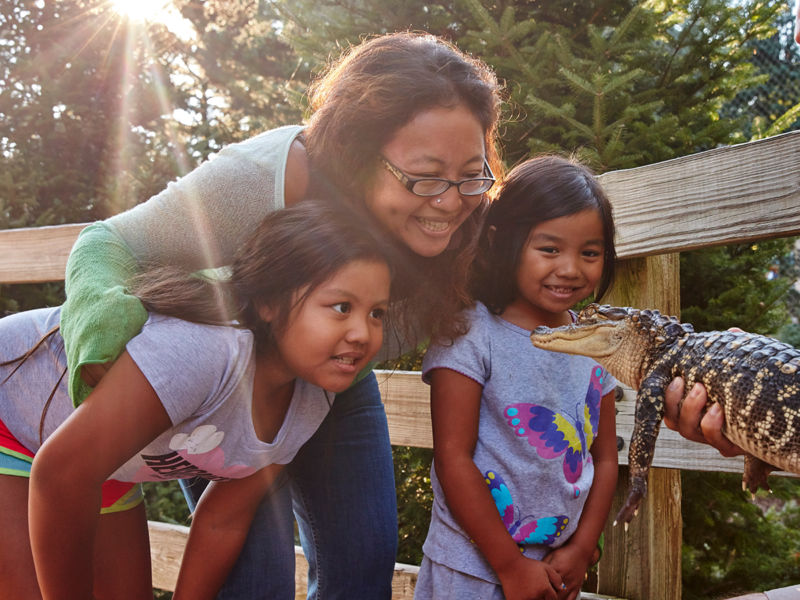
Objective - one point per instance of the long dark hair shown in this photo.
(358, 105)
(292, 251)
(538, 190)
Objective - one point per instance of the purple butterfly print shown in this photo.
(556, 435)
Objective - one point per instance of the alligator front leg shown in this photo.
(647, 421)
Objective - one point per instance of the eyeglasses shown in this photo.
(433, 186)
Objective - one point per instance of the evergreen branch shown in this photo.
(481, 14)
(581, 84)
(554, 111)
(783, 122)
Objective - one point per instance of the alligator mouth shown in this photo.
(589, 340)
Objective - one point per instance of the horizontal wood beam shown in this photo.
(407, 402)
(167, 542)
(732, 194)
(36, 254)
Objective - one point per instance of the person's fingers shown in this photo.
(711, 425)
(691, 413)
(672, 403)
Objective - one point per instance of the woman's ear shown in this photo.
(267, 313)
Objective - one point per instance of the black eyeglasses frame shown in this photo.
(409, 183)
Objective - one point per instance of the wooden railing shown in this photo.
(734, 194)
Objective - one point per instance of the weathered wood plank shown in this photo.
(36, 254)
(167, 542)
(732, 194)
(407, 402)
(643, 561)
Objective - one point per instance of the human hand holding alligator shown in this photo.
(755, 381)
(694, 419)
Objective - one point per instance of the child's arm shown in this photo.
(117, 419)
(573, 558)
(220, 526)
(455, 410)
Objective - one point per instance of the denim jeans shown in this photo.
(340, 488)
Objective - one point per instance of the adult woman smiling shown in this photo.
(404, 126)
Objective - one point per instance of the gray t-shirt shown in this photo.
(203, 375)
(538, 417)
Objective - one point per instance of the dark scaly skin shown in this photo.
(756, 380)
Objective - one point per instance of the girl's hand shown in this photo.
(529, 579)
(572, 564)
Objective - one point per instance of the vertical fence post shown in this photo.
(645, 562)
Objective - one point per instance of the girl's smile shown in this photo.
(560, 265)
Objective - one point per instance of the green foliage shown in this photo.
(15, 298)
(772, 106)
(78, 96)
(727, 287)
(732, 545)
(790, 334)
(621, 84)
(165, 502)
(414, 500)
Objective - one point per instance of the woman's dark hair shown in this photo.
(538, 190)
(291, 252)
(359, 104)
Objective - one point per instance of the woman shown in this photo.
(404, 125)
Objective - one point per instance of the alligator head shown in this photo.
(622, 339)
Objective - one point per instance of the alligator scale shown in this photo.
(756, 380)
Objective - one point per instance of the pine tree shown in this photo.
(78, 104)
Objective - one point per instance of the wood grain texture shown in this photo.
(643, 561)
(732, 194)
(167, 543)
(37, 254)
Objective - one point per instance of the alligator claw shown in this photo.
(630, 508)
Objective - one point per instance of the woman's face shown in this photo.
(444, 142)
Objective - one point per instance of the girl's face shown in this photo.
(332, 334)
(560, 265)
(438, 142)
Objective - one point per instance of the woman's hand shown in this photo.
(691, 419)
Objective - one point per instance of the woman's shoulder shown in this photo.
(273, 142)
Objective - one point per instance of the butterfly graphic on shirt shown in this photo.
(558, 436)
(527, 529)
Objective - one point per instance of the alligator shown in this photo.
(755, 379)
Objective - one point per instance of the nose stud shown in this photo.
(438, 201)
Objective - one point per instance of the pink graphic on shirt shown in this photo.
(195, 454)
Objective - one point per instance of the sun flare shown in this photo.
(142, 10)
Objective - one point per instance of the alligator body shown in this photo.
(756, 380)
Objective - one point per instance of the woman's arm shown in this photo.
(120, 417)
(455, 412)
(573, 558)
(219, 528)
(99, 316)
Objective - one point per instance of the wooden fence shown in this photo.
(733, 194)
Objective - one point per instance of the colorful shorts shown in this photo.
(16, 459)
